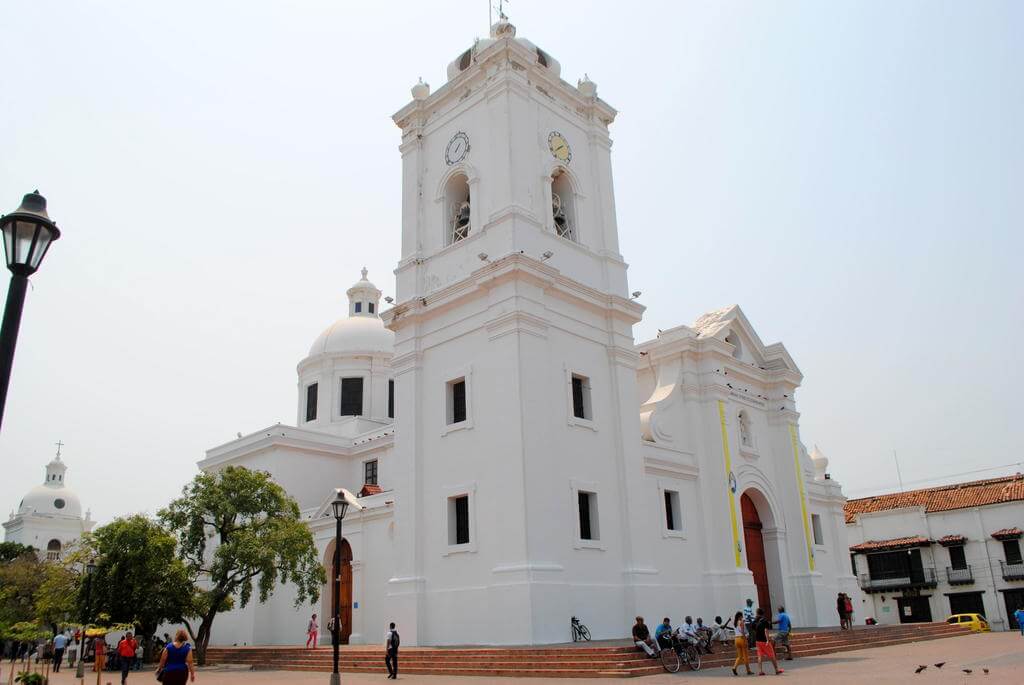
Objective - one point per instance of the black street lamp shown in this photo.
(90, 568)
(342, 501)
(28, 233)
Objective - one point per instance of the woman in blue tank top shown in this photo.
(176, 661)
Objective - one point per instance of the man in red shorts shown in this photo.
(765, 650)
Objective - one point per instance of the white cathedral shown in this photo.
(521, 459)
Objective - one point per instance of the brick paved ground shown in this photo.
(1001, 653)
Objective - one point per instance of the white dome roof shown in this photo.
(354, 335)
(51, 500)
(53, 497)
(362, 331)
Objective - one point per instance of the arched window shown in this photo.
(53, 550)
(456, 202)
(734, 340)
(745, 438)
(563, 206)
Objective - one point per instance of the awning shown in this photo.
(891, 545)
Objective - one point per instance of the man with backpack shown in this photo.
(391, 642)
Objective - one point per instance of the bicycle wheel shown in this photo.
(693, 658)
(584, 633)
(670, 660)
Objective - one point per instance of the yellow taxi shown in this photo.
(976, 622)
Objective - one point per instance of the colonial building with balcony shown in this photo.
(925, 554)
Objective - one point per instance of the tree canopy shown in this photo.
(9, 551)
(138, 578)
(238, 533)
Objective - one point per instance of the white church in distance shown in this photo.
(49, 516)
(520, 458)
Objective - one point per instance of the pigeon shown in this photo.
(919, 669)
(985, 671)
(940, 664)
(967, 671)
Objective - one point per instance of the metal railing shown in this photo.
(1012, 571)
(959, 576)
(898, 580)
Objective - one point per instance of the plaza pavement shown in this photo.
(1001, 653)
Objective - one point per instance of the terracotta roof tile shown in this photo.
(950, 540)
(943, 498)
(1008, 533)
(895, 543)
(369, 489)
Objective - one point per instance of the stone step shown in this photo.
(554, 662)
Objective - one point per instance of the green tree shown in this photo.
(138, 579)
(9, 551)
(258, 541)
(57, 595)
(20, 580)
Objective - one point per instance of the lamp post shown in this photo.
(28, 233)
(342, 501)
(90, 568)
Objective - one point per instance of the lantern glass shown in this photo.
(340, 507)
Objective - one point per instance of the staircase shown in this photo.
(608, 660)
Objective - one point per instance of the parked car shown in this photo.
(976, 622)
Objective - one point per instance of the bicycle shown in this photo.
(672, 658)
(579, 631)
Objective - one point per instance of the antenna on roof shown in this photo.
(898, 476)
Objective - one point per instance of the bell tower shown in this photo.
(517, 427)
(506, 157)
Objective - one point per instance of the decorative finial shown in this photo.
(364, 272)
(587, 87)
(59, 444)
(421, 90)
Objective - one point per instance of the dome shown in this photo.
(53, 497)
(362, 331)
(354, 335)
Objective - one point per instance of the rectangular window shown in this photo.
(672, 513)
(369, 307)
(853, 564)
(311, 402)
(588, 516)
(581, 397)
(458, 520)
(359, 307)
(819, 539)
(351, 396)
(1012, 549)
(957, 558)
(391, 399)
(456, 401)
(370, 472)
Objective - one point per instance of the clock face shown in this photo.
(559, 147)
(457, 149)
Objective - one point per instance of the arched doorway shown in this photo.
(345, 609)
(754, 543)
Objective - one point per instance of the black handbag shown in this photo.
(159, 675)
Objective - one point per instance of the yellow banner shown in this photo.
(730, 481)
(803, 497)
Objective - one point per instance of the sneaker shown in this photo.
(780, 671)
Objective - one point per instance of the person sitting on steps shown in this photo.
(642, 638)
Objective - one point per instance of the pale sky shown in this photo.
(850, 173)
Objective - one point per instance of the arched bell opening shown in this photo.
(457, 208)
(563, 206)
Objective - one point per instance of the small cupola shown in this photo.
(363, 298)
(55, 473)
